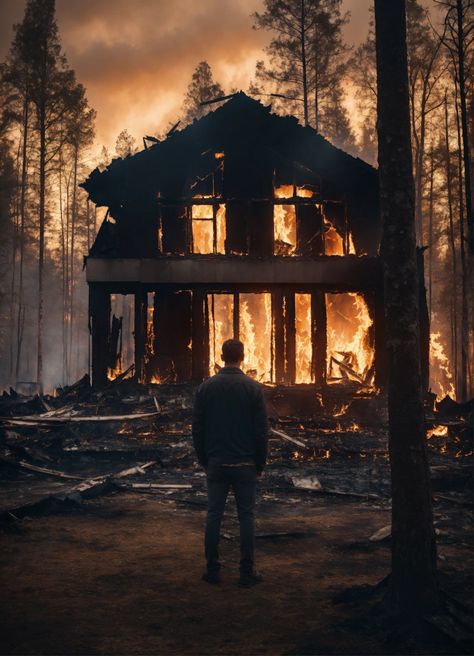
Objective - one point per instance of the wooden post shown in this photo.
(319, 336)
(99, 315)
(200, 342)
(140, 332)
(236, 316)
(278, 337)
(290, 338)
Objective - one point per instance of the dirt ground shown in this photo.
(122, 576)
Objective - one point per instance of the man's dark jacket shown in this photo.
(230, 420)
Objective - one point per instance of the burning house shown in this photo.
(242, 224)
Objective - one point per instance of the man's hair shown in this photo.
(232, 350)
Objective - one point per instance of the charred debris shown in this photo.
(56, 452)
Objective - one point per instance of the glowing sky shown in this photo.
(136, 57)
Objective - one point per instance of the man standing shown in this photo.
(230, 438)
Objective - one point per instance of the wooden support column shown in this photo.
(290, 338)
(236, 316)
(99, 317)
(261, 227)
(278, 337)
(200, 339)
(140, 332)
(320, 337)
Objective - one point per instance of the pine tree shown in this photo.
(201, 88)
(125, 144)
(308, 63)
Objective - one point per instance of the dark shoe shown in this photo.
(249, 579)
(211, 577)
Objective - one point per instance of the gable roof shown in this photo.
(245, 125)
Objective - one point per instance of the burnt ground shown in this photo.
(120, 573)
(122, 576)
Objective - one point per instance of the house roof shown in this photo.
(244, 125)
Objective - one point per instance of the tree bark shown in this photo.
(42, 194)
(452, 241)
(465, 131)
(413, 582)
(304, 62)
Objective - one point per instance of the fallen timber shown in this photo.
(52, 420)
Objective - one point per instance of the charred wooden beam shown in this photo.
(140, 332)
(172, 335)
(200, 343)
(278, 337)
(261, 229)
(236, 316)
(99, 311)
(175, 229)
(319, 336)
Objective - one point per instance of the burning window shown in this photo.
(284, 222)
(284, 218)
(304, 348)
(221, 326)
(208, 227)
(334, 241)
(256, 333)
(350, 353)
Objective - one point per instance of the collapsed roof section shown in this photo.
(257, 151)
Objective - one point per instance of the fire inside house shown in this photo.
(243, 224)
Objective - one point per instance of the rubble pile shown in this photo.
(56, 451)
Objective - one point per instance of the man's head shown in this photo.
(233, 352)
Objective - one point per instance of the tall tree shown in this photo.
(125, 144)
(201, 88)
(308, 62)
(79, 135)
(413, 581)
(53, 92)
(458, 38)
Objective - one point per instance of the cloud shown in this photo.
(135, 58)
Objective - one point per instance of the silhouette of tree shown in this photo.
(201, 88)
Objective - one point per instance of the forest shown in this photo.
(48, 146)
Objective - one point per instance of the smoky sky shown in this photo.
(136, 57)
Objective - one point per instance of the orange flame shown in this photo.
(441, 378)
(221, 328)
(203, 228)
(437, 431)
(349, 323)
(304, 350)
(255, 333)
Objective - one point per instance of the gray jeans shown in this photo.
(243, 480)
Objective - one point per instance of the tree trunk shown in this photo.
(430, 237)
(413, 582)
(304, 62)
(24, 170)
(452, 242)
(464, 265)
(42, 198)
(72, 253)
(465, 132)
